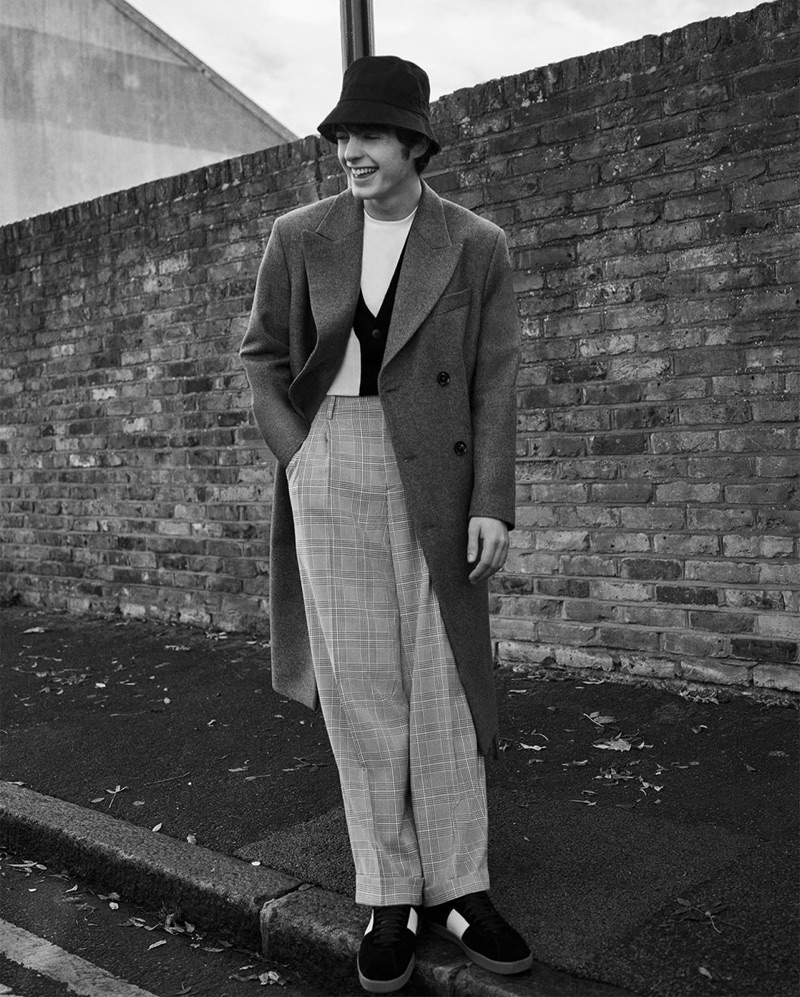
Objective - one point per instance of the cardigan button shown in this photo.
(443, 378)
(377, 333)
(460, 448)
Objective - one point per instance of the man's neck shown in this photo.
(398, 207)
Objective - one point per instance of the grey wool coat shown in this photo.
(447, 389)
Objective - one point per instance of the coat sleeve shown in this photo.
(493, 393)
(265, 353)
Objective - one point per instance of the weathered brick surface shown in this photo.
(650, 194)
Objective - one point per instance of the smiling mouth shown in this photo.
(361, 173)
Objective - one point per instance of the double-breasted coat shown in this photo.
(447, 389)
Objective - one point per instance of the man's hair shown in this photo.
(405, 136)
(408, 139)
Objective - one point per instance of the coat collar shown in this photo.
(333, 263)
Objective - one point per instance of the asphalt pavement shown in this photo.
(643, 839)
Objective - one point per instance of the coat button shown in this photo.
(376, 333)
(460, 448)
(443, 378)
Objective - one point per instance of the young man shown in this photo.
(382, 352)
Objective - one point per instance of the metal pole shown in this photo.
(358, 30)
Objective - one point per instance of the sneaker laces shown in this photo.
(388, 925)
(478, 910)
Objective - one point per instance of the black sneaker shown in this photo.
(474, 924)
(386, 956)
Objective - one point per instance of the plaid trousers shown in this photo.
(413, 782)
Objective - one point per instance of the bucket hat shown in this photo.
(383, 90)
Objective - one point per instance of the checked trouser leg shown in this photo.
(401, 731)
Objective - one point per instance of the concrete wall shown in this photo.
(650, 194)
(95, 98)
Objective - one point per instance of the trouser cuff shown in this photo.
(442, 892)
(373, 892)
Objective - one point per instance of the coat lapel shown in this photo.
(332, 256)
(428, 267)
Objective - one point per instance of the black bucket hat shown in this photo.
(383, 90)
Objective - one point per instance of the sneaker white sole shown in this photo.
(503, 968)
(386, 986)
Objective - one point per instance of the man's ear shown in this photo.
(421, 147)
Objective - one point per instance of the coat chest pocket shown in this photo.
(456, 299)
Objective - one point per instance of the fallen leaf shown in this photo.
(157, 827)
(705, 972)
(114, 792)
(306, 763)
(699, 697)
(615, 777)
(156, 945)
(571, 765)
(600, 720)
(35, 630)
(613, 744)
(192, 839)
(532, 747)
(587, 803)
(28, 865)
(271, 978)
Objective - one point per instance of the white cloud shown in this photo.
(286, 55)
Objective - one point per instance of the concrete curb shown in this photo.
(147, 868)
(290, 921)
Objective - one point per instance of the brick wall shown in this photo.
(650, 194)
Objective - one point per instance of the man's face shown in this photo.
(380, 169)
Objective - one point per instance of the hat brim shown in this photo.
(375, 112)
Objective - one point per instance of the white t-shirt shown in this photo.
(382, 246)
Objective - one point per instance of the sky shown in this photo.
(286, 54)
